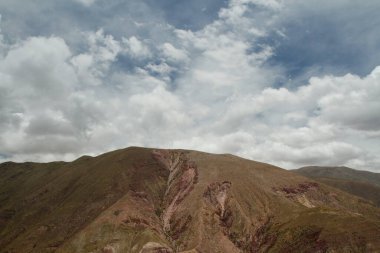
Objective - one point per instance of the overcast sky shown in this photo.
(289, 82)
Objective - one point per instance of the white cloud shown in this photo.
(38, 82)
(354, 102)
(208, 90)
(321, 123)
(136, 48)
(38, 64)
(162, 68)
(330, 153)
(94, 64)
(158, 108)
(336, 112)
(86, 3)
(174, 54)
(104, 47)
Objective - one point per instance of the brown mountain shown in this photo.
(364, 184)
(144, 200)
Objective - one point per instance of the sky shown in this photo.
(287, 82)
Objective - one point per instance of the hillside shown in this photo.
(144, 200)
(340, 173)
(364, 184)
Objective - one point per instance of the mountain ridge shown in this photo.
(157, 200)
(364, 184)
(341, 172)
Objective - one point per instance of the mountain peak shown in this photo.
(158, 200)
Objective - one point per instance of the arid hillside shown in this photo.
(340, 173)
(141, 200)
(363, 184)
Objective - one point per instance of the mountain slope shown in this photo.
(145, 200)
(340, 173)
(363, 184)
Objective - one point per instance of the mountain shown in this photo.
(364, 184)
(145, 200)
(340, 173)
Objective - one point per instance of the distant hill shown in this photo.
(340, 173)
(364, 184)
(140, 200)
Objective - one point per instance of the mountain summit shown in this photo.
(143, 200)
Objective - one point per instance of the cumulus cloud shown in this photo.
(174, 54)
(93, 65)
(349, 97)
(213, 89)
(38, 81)
(136, 48)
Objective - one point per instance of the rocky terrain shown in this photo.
(151, 201)
(363, 184)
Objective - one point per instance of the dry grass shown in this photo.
(116, 203)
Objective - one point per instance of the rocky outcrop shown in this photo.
(181, 180)
(153, 247)
(297, 189)
(302, 193)
(217, 195)
(261, 239)
(252, 236)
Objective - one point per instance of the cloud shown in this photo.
(123, 80)
(2, 44)
(35, 73)
(136, 48)
(161, 69)
(94, 64)
(319, 38)
(352, 96)
(193, 15)
(86, 2)
(326, 154)
(319, 123)
(37, 82)
(173, 54)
